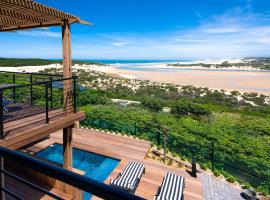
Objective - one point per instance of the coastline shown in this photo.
(242, 79)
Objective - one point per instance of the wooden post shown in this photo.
(67, 147)
(67, 65)
(165, 135)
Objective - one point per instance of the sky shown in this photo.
(151, 29)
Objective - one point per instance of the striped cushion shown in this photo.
(130, 177)
(6, 103)
(172, 187)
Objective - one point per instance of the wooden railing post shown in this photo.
(47, 103)
(1, 115)
(14, 89)
(31, 89)
(212, 154)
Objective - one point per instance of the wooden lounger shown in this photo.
(129, 179)
(172, 188)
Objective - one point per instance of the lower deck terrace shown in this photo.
(125, 149)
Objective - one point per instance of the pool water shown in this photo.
(95, 166)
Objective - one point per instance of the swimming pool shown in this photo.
(95, 166)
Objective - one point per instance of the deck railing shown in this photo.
(208, 152)
(25, 95)
(78, 181)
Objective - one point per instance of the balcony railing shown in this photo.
(78, 181)
(208, 152)
(25, 95)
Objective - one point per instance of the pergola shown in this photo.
(16, 15)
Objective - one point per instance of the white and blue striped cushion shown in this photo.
(172, 187)
(130, 177)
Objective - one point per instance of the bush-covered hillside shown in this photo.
(18, 62)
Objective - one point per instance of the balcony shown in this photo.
(35, 105)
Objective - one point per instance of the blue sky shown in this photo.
(152, 29)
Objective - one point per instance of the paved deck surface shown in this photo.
(126, 149)
(214, 189)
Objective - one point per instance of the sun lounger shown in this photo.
(6, 103)
(172, 188)
(129, 179)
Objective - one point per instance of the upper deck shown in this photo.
(34, 106)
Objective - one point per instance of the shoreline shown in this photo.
(244, 80)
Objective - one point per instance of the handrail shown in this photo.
(31, 73)
(47, 99)
(44, 191)
(81, 182)
(37, 83)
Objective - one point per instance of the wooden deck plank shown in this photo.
(35, 131)
(126, 149)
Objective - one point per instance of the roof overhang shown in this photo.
(27, 14)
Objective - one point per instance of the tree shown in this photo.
(92, 97)
(182, 108)
(153, 104)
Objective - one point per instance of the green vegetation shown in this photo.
(260, 63)
(17, 62)
(183, 108)
(201, 123)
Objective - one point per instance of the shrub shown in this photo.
(204, 166)
(216, 173)
(170, 163)
(185, 108)
(263, 189)
(153, 104)
(92, 97)
(231, 179)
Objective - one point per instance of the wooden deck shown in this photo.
(126, 149)
(31, 129)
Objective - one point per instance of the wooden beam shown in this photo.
(67, 65)
(67, 147)
(30, 26)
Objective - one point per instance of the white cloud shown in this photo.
(237, 33)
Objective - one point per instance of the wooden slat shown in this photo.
(36, 132)
(24, 14)
(21, 16)
(39, 8)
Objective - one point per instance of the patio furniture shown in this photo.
(249, 194)
(6, 103)
(172, 188)
(129, 179)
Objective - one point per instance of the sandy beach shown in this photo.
(243, 80)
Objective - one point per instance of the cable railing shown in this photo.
(30, 95)
(80, 182)
(208, 152)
